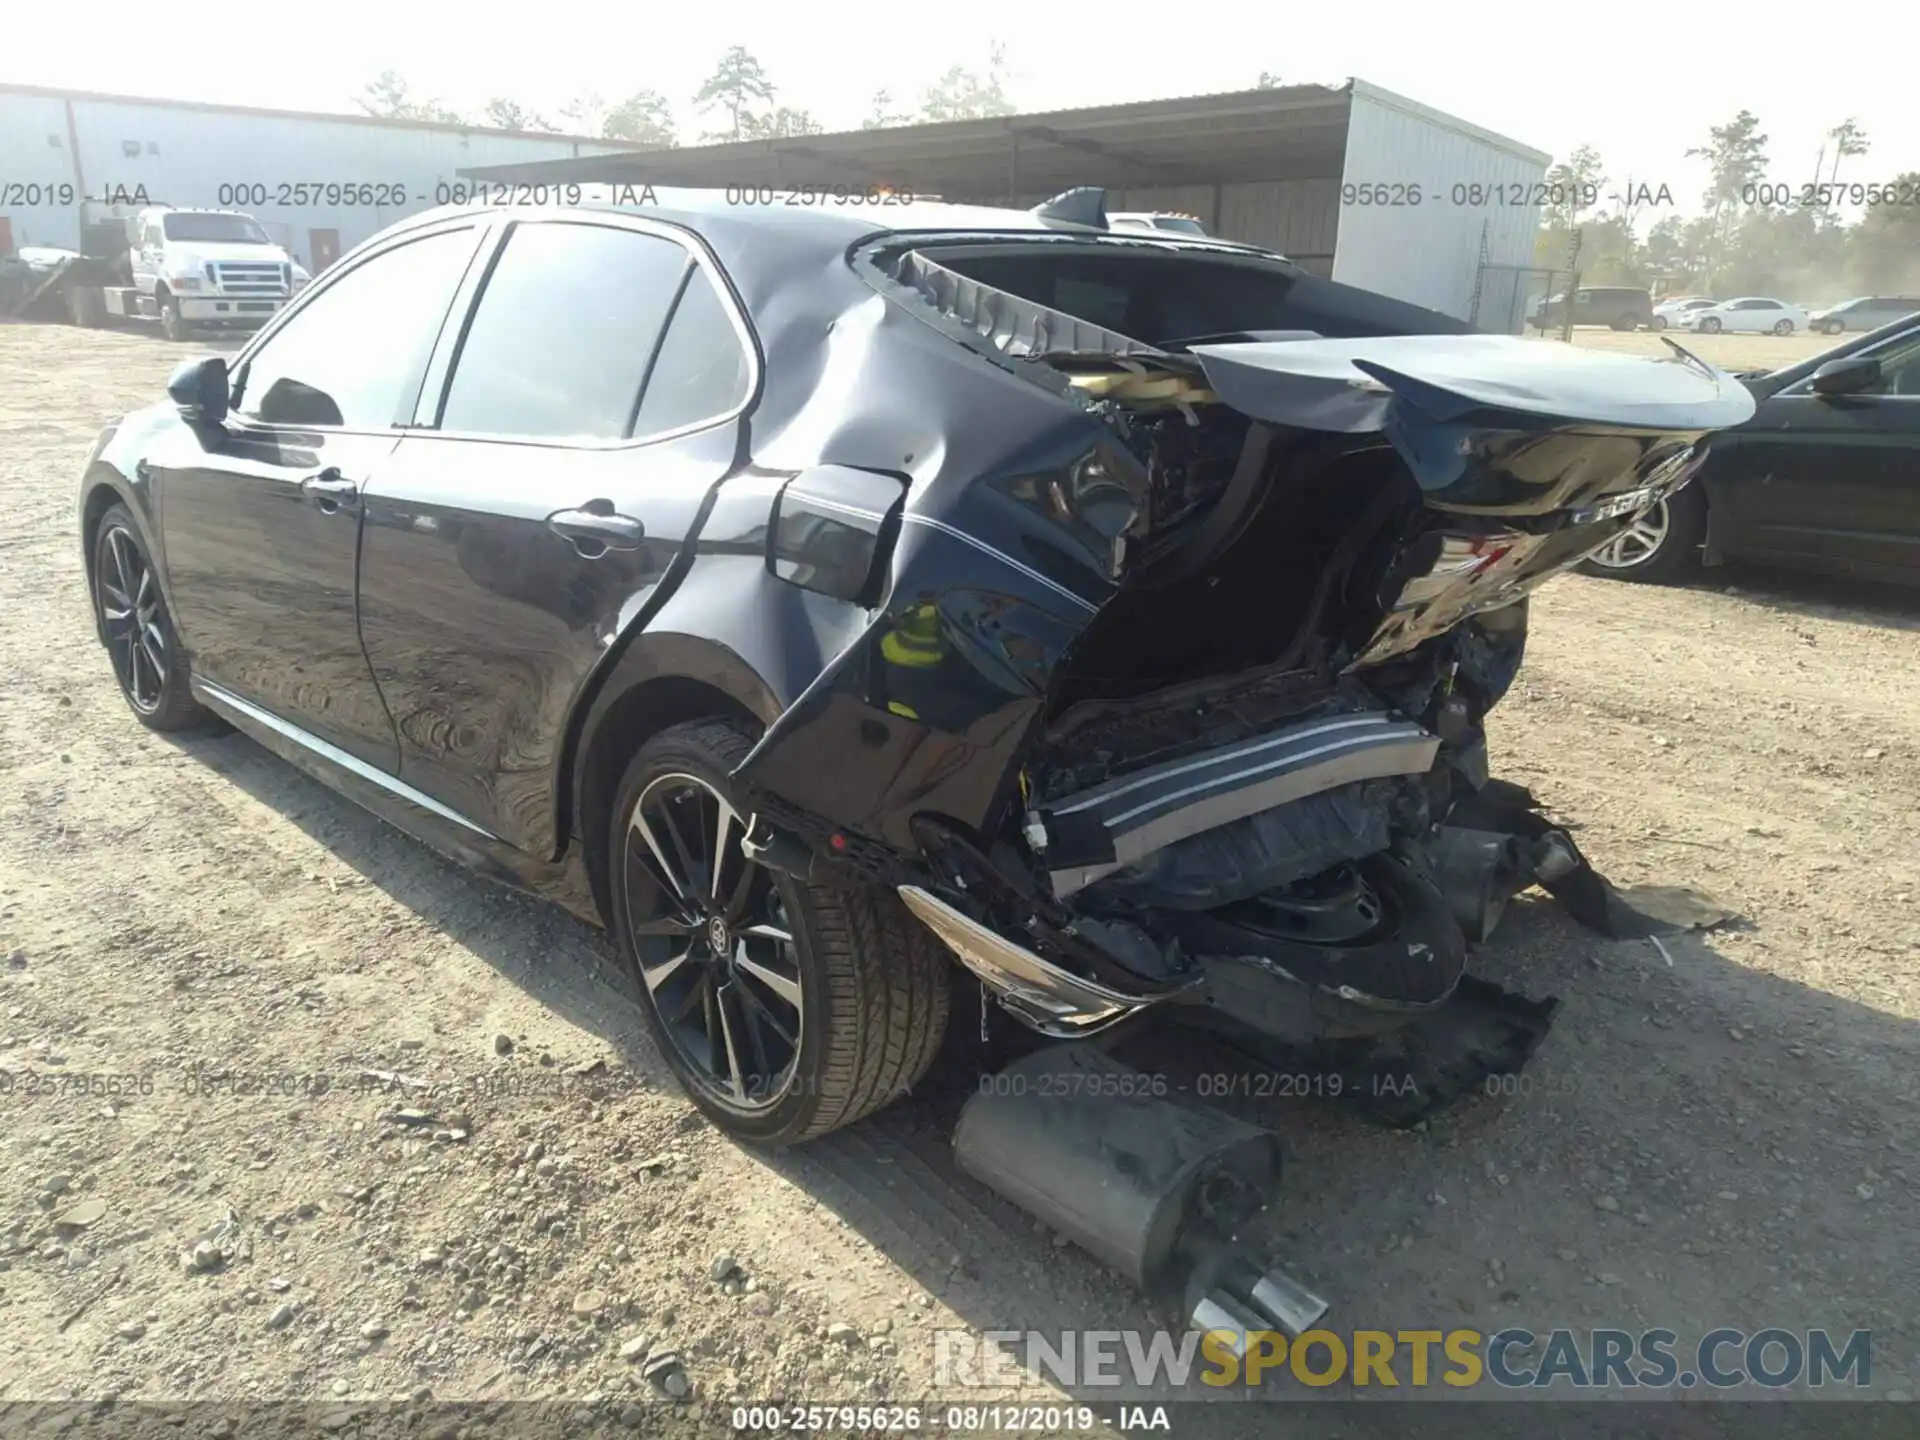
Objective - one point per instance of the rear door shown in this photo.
(567, 442)
(260, 517)
(1834, 481)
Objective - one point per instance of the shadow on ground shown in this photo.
(1870, 603)
(1697, 1144)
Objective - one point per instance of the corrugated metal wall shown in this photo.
(1296, 217)
(183, 156)
(1430, 253)
(34, 164)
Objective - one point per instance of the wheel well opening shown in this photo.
(100, 499)
(629, 722)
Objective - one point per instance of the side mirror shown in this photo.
(200, 389)
(1847, 377)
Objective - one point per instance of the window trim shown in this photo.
(700, 257)
(337, 272)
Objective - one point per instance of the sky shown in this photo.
(1639, 82)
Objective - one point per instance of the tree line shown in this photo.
(1759, 230)
(738, 101)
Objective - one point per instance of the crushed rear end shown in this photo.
(1186, 702)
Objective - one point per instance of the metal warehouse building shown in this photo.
(1351, 181)
(57, 146)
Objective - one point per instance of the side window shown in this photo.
(566, 324)
(702, 371)
(1582, 297)
(353, 355)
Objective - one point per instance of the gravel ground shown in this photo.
(472, 1176)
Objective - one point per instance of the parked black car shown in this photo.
(1825, 477)
(1619, 307)
(1863, 312)
(786, 589)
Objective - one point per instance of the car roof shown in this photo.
(828, 224)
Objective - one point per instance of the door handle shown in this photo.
(594, 529)
(330, 490)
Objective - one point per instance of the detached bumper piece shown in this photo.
(1096, 832)
(1448, 1055)
(1150, 1187)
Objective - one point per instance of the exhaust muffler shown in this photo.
(1155, 1189)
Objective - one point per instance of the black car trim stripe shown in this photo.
(222, 698)
(1346, 762)
(1240, 777)
(985, 549)
(1088, 799)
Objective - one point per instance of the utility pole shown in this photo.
(1573, 285)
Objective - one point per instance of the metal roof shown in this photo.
(334, 118)
(1293, 131)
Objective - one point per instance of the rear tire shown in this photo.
(1626, 322)
(86, 307)
(1675, 553)
(839, 1013)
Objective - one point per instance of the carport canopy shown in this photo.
(1293, 132)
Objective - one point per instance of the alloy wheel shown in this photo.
(714, 945)
(134, 619)
(1638, 543)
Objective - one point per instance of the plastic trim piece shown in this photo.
(1042, 995)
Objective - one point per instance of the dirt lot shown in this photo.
(1725, 1139)
(1731, 352)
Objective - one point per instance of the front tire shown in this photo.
(1660, 322)
(173, 324)
(785, 1009)
(1783, 327)
(1710, 325)
(1831, 327)
(148, 660)
(1660, 547)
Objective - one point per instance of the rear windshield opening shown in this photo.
(1161, 297)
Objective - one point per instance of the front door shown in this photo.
(149, 250)
(539, 511)
(260, 517)
(1836, 482)
(261, 526)
(324, 248)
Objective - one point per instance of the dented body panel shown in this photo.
(1131, 603)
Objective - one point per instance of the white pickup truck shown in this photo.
(195, 268)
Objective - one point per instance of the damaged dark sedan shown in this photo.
(815, 598)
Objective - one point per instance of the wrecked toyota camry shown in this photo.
(818, 597)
